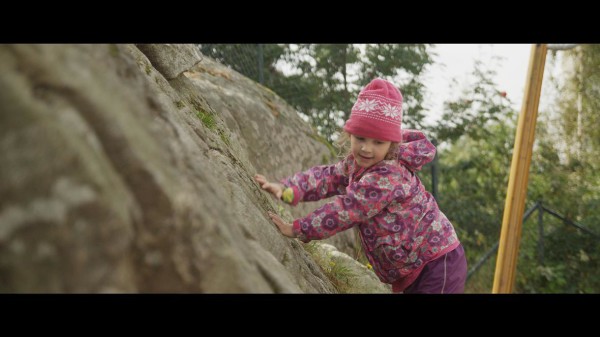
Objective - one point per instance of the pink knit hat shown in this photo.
(377, 112)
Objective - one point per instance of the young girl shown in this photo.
(407, 239)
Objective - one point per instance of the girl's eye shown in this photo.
(360, 138)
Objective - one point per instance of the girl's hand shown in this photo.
(274, 188)
(284, 227)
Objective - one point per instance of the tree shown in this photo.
(564, 173)
(478, 129)
(326, 77)
(322, 81)
(336, 74)
(479, 106)
(404, 64)
(243, 58)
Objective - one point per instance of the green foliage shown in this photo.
(473, 180)
(243, 57)
(339, 274)
(478, 107)
(567, 263)
(335, 90)
(207, 119)
(477, 170)
(580, 103)
(224, 137)
(404, 64)
(322, 80)
(479, 130)
(564, 173)
(577, 128)
(482, 281)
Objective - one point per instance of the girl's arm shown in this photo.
(364, 200)
(317, 183)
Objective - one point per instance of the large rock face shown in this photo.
(129, 169)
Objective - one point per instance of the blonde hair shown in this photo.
(343, 145)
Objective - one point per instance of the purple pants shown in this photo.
(444, 275)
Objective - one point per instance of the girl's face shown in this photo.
(368, 151)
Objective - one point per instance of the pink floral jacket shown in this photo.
(401, 226)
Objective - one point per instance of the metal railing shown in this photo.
(541, 209)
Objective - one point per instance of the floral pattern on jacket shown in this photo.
(400, 224)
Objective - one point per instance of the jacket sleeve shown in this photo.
(364, 199)
(319, 182)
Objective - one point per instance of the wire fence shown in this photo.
(558, 232)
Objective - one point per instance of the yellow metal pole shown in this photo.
(510, 236)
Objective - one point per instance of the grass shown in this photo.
(360, 254)
(207, 119)
(482, 281)
(224, 136)
(339, 275)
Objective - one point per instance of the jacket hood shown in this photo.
(415, 150)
